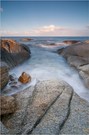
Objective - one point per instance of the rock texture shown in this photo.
(4, 76)
(13, 53)
(78, 56)
(24, 78)
(7, 105)
(78, 120)
(52, 109)
(3, 129)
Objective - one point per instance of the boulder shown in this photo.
(71, 42)
(13, 53)
(80, 50)
(78, 56)
(7, 105)
(24, 78)
(26, 39)
(87, 41)
(4, 75)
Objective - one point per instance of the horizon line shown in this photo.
(44, 36)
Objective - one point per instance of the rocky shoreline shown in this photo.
(50, 107)
(12, 54)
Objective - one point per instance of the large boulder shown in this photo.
(79, 50)
(4, 75)
(78, 56)
(7, 105)
(71, 42)
(46, 109)
(13, 53)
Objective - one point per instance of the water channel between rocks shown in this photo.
(44, 64)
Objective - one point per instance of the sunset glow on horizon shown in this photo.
(53, 18)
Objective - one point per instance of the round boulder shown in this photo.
(24, 78)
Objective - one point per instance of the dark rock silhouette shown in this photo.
(26, 39)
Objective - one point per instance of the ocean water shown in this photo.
(46, 64)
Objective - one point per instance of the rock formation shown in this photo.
(78, 56)
(24, 78)
(26, 39)
(53, 108)
(70, 42)
(13, 53)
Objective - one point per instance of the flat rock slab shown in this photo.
(56, 115)
(52, 109)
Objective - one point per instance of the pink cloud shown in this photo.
(50, 30)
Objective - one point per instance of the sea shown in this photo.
(46, 64)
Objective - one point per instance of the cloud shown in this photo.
(14, 33)
(50, 30)
(1, 9)
(47, 29)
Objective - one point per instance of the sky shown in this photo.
(44, 18)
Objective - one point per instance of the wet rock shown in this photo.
(70, 42)
(13, 83)
(8, 105)
(13, 53)
(4, 75)
(24, 78)
(52, 44)
(12, 77)
(26, 39)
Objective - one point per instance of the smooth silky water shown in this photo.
(45, 64)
